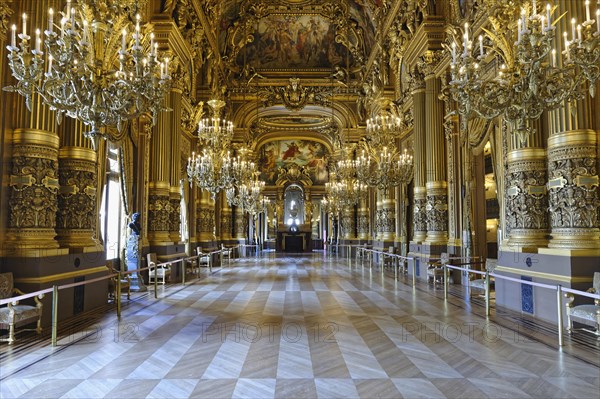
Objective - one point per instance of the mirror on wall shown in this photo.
(294, 205)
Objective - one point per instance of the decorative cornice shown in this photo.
(294, 96)
(5, 13)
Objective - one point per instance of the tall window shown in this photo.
(112, 215)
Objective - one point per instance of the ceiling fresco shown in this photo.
(276, 156)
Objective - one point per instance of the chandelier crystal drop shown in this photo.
(84, 73)
(531, 77)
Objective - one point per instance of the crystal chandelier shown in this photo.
(85, 75)
(246, 195)
(212, 170)
(380, 164)
(531, 79)
(345, 192)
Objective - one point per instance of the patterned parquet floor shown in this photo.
(295, 327)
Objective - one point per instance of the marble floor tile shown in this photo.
(335, 388)
(295, 388)
(299, 327)
(255, 388)
(214, 389)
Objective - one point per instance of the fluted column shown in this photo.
(159, 187)
(76, 219)
(33, 174)
(420, 191)
(437, 187)
(363, 220)
(175, 159)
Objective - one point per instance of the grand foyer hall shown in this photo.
(140, 135)
(301, 326)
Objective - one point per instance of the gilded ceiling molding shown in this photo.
(191, 117)
(188, 22)
(5, 13)
(294, 96)
(294, 174)
(404, 15)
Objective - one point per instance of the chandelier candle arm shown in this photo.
(535, 80)
(76, 82)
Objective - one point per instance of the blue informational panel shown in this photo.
(526, 296)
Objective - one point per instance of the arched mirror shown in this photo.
(294, 205)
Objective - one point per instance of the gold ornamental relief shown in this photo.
(33, 197)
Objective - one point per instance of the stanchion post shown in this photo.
(445, 271)
(119, 295)
(155, 281)
(54, 315)
(487, 292)
(414, 274)
(560, 314)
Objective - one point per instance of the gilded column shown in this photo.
(348, 222)
(574, 190)
(205, 218)
(77, 205)
(33, 179)
(525, 195)
(159, 186)
(437, 187)
(573, 155)
(175, 117)
(417, 81)
(33, 185)
(363, 220)
(226, 219)
(308, 207)
(240, 225)
(385, 217)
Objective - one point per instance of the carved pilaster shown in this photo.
(240, 226)
(159, 210)
(573, 190)
(226, 219)
(420, 214)
(205, 217)
(363, 220)
(527, 199)
(437, 213)
(348, 223)
(385, 218)
(174, 214)
(33, 185)
(77, 213)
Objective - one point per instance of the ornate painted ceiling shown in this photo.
(294, 69)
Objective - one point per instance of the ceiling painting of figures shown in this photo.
(282, 154)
